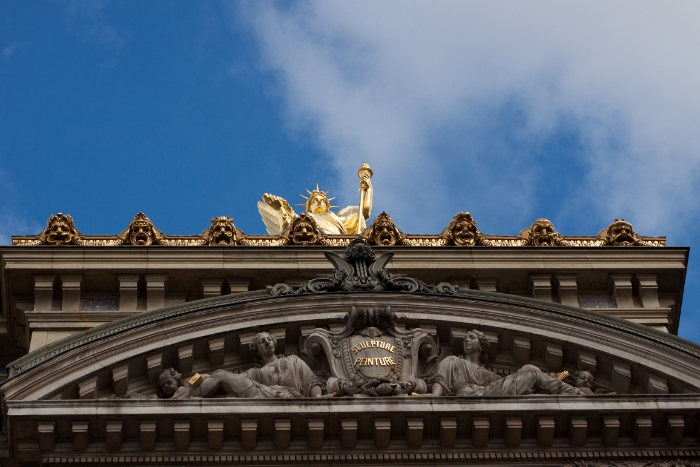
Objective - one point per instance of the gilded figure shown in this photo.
(278, 215)
(60, 230)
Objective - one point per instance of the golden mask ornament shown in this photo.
(383, 232)
(222, 232)
(303, 231)
(621, 233)
(141, 231)
(462, 230)
(543, 233)
(60, 230)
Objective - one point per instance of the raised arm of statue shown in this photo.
(276, 213)
(366, 185)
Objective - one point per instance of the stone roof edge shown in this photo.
(88, 336)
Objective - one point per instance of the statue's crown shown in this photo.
(315, 195)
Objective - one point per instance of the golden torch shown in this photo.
(365, 173)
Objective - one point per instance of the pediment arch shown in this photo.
(205, 335)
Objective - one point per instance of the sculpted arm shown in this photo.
(366, 185)
(308, 379)
(182, 393)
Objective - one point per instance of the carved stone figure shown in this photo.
(620, 233)
(542, 233)
(141, 232)
(274, 377)
(371, 356)
(277, 214)
(383, 232)
(222, 232)
(360, 270)
(465, 376)
(60, 230)
(462, 231)
(303, 231)
(584, 381)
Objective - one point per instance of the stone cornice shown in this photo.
(310, 257)
(544, 403)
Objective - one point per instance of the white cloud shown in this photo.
(13, 48)
(423, 90)
(85, 19)
(12, 225)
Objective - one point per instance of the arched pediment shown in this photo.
(204, 335)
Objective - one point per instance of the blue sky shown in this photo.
(580, 113)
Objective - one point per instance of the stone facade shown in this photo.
(367, 328)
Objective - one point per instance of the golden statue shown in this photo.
(277, 214)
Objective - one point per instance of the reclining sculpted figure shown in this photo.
(465, 376)
(275, 377)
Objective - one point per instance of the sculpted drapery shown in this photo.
(286, 377)
(464, 376)
(282, 377)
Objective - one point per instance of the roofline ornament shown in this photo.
(461, 232)
(360, 270)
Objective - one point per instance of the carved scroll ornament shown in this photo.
(359, 270)
(371, 355)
